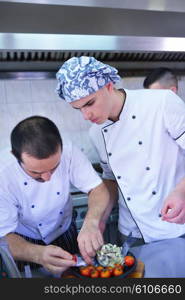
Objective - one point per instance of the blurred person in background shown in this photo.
(161, 78)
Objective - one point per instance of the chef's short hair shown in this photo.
(37, 136)
(164, 76)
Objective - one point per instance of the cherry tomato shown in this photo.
(110, 270)
(99, 268)
(129, 260)
(85, 271)
(118, 265)
(91, 268)
(117, 271)
(94, 273)
(105, 273)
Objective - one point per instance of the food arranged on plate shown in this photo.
(110, 263)
(102, 272)
(109, 255)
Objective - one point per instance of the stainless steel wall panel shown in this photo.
(88, 43)
(159, 5)
(58, 19)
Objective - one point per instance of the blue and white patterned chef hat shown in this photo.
(81, 76)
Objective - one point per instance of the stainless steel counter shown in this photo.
(163, 259)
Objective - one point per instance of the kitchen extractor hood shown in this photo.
(40, 35)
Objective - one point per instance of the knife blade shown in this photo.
(80, 262)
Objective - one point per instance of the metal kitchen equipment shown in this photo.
(8, 266)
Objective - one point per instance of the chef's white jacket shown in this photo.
(43, 210)
(144, 152)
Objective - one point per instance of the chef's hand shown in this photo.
(173, 210)
(90, 239)
(55, 259)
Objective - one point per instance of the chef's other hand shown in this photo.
(90, 239)
(55, 259)
(173, 210)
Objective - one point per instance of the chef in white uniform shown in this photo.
(140, 137)
(35, 202)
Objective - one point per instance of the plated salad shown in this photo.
(109, 255)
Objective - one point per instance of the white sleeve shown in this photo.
(174, 118)
(8, 213)
(82, 174)
(107, 172)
